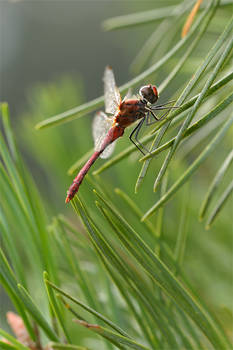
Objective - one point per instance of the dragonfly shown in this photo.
(119, 114)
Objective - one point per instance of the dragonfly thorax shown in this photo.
(130, 111)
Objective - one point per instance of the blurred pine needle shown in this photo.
(159, 284)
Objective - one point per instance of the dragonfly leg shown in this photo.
(155, 117)
(136, 132)
(165, 104)
(160, 108)
(164, 115)
(148, 122)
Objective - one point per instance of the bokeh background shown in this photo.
(43, 40)
(52, 58)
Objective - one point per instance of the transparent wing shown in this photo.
(101, 124)
(128, 95)
(112, 97)
(108, 151)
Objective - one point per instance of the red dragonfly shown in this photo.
(123, 113)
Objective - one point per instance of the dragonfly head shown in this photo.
(149, 93)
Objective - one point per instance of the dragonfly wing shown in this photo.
(108, 150)
(101, 125)
(112, 97)
(128, 95)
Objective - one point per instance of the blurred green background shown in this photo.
(53, 55)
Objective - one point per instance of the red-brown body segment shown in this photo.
(114, 133)
(129, 112)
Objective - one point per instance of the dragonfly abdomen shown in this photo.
(114, 133)
(79, 178)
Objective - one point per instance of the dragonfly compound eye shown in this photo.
(149, 93)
